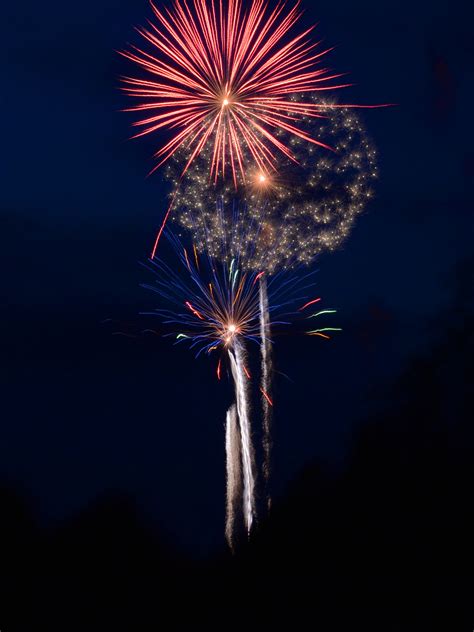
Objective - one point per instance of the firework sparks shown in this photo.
(222, 310)
(301, 211)
(315, 300)
(215, 304)
(221, 75)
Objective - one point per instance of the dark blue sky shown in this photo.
(85, 411)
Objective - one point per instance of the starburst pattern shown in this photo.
(221, 75)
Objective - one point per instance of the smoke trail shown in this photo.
(234, 474)
(241, 396)
(266, 383)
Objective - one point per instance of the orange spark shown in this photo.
(316, 300)
(259, 276)
(194, 311)
(187, 260)
(265, 394)
(196, 256)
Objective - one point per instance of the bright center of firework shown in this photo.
(210, 56)
(262, 178)
(230, 331)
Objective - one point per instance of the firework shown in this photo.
(217, 309)
(219, 76)
(288, 218)
(212, 304)
(266, 175)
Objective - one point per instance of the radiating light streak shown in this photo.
(163, 224)
(219, 313)
(315, 331)
(241, 286)
(186, 257)
(266, 397)
(196, 256)
(221, 74)
(236, 273)
(194, 311)
(323, 311)
(259, 276)
(316, 300)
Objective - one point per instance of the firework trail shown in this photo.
(266, 382)
(237, 362)
(234, 473)
(216, 309)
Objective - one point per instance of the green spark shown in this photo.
(323, 311)
(318, 331)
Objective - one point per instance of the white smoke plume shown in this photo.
(234, 472)
(237, 360)
(266, 383)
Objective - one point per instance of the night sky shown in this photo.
(86, 412)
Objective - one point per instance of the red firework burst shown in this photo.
(223, 74)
